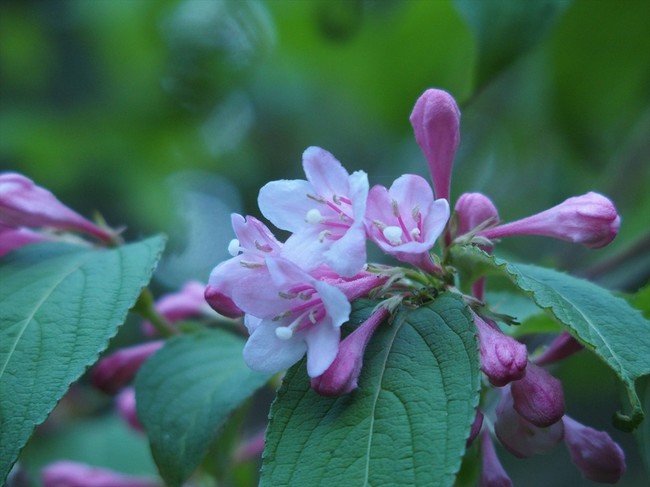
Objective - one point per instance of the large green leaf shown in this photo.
(604, 323)
(185, 392)
(506, 29)
(406, 424)
(59, 307)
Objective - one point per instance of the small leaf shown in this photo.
(184, 393)
(59, 307)
(406, 424)
(606, 324)
(506, 29)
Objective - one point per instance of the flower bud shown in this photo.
(476, 428)
(562, 347)
(24, 204)
(221, 302)
(538, 397)
(189, 301)
(520, 437)
(503, 359)
(14, 238)
(112, 373)
(492, 472)
(594, 452)
(436, 123)
(125, 402)
(250, 448)
(72, 474)
(590, 219)
(472, 210)
(342, 375)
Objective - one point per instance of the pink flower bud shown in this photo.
(125, 403)
(186, 303)
(112, 373)
(14, 238)
(538, 397)
(503, 359)
(251, 448)
(221, 302)
(520, 437)
(492, 472)
(23, 204)
(341, 377)
(72, 474)
(590, 219)
(474, 209)
(594, 452)
(562, 347)
(436, 122)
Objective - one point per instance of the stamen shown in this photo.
(395, 205)
(415, 233)
(320, 199)
(313, 216)
(287, 295)
(312, 316)
(415, 213)
(250, 265)
(283, 332)
(323, 235)
(379, 224)
(234, 248)
(336, 199)
(263, 247)
(393, 235)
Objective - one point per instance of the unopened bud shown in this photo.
(590, 219)
(15, 238)
(492, 472)
(125, 403)
(538, 397)
(562, 347)
(474, 210)
(186, 303)
(114, 372)
(73, 474)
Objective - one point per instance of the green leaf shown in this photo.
(184, 393)
(604, 323)
(506, 29)
(406, 424)
(59, 307)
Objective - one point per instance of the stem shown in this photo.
(144, 306)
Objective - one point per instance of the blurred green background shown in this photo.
(167, 115)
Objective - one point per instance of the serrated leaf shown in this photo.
(506, 29)
(406, 424)
(604, 323)
(184, 393)
(59, 307)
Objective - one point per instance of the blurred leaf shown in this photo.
(406, 424)
(186, 391)
(507, 29)
(606, 324)
(59, 307)
(641, 300)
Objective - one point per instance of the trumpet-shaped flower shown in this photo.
(24, 204)
(324, 213)
(436, 123)
(590, 219)
(254, 243)
(405, 220)
(292, 314)
(13, 238)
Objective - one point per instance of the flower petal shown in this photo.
(325, 172)
(265, 352)
(322, 347)
(285, 204)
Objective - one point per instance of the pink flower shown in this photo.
(405, 220)
(503, 359)
(186, 303)
(324, 213)
(15, 238)
(521, 437)
(590, 219)
(23, 204)
(293, 313)
(594, 452)
(254, 243)
(492, 472)
(112, 373)
(538, 397)
(125, 402)
(72, 474)
(436, 122)
(342, 375)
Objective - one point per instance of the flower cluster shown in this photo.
(295, 296)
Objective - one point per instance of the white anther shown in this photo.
(233, 247)
(393, 235)
(313, 216)
(415, 233)
(283, 332)
(323, 235)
